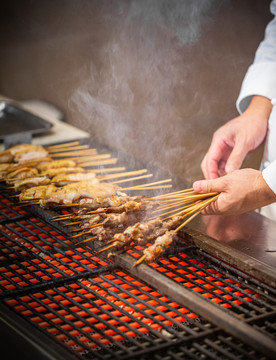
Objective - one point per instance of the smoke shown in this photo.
(136, 93)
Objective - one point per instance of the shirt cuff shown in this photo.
(260, 79)
(269, 175)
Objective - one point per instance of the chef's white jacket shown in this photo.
(260, 79)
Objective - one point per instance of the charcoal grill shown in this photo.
(61, 299)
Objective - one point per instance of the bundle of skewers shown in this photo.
(100, 207)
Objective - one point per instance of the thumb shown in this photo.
(236, 157)
(206, 186)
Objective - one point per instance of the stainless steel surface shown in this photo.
(251, 234)
(15, 120)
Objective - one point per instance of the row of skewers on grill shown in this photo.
(138, 221)
(100, 207)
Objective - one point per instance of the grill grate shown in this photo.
(114, 315)
(33, 253)
(90, 305)
(223, 285)
(9, 210)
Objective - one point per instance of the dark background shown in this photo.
(152, 77)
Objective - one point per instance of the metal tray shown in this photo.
(16, 120)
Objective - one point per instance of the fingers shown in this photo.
(236, 157)
(213, 164)
(206, 186)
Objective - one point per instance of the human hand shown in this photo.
(240, 191)
(234, 140)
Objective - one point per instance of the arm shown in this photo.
(232, 142)
(260, 78)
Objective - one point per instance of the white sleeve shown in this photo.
(269, 175)
(260, 78)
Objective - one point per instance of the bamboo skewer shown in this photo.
(86, 158)
(128, 173)
(68, 148)
(106, 248)
(134, 178)
(203, 206)
(77, 152)
(88, 231)
(107, 170)
(174, 193)
(139, 261)
(100, 162)
(73, 143)
(73, 223)
(86, 240)
(193, 213)
(139, 188)
(149, 185)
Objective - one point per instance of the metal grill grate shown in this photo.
(90, 305)
(224, 286)
(9, 210)
(114, 315)
(33, 253)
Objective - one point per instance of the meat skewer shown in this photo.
(65, 179)
(142, 233)
(37, 192)
(161, 243)
(22, 152)
(71, 193)
(55, 164)
(152, 252)
(61, 171)
(20, 173)
(19, 185)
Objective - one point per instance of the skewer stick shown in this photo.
(147, 188)
(62, 217)
(174, 193)
(88, 231)
(141, 259)
(77, 152)
(127, 173)
(100, 162)
(206, 203)
(30, 203)
(149, 184)
(169, 206)
(72, 143)
(134, 178)
(70, 205)
(85, 158)
(107, 170)
(106, 248)
(188, 207)
(68, 148)
(86, 240)
(73, 223)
